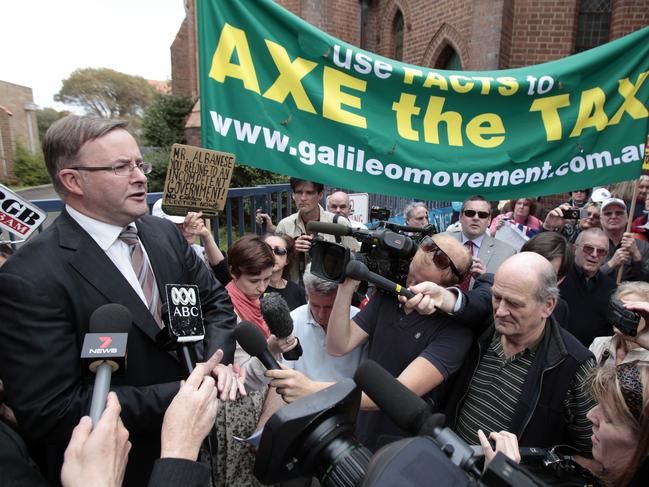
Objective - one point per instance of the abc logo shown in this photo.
(183, 296)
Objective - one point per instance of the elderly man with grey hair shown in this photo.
(524, 373)
(315, 369)
(416, 214)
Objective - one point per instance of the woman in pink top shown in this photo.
(522, 217)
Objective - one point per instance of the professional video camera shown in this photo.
(314, 437)
(386, 251)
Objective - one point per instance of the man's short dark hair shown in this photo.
(65, 137)
(319, 187)
(551, 245)
(476, 197)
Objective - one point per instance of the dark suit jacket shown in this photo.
(49, 289)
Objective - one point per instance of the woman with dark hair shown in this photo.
(283, 249)
(521, 217)
(251, 262)
(620, 429)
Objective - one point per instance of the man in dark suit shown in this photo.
(49, 289)
(488, 253)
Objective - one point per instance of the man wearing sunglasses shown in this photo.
(421, 350)
(586, 289)
(624, 250)
(488, 253)
(102, 249)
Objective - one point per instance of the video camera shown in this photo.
(623, 319)
(386, 251)
(314, 437)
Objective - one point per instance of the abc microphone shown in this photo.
(183, 318)
(359, 271)
(278, 318)
(253, 342)
(104, 351)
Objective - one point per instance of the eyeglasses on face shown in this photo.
(589, 249)
(120, 169)
(440, 258)
(481, 214)
(279, 251)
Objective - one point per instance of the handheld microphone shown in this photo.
(253, 342)
(104, 351)
(359, 271)
(278, 318)
(183, 318)
(410, 412)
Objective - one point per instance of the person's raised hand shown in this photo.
(97, 457)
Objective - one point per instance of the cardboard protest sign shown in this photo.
(19, 216)
(197, 180)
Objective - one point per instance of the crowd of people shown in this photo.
(513, 343)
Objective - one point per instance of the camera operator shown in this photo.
(421, 350)
(620, 426)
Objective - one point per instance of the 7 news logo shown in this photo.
(103, 348)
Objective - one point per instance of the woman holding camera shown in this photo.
(621, 348)
(620, 429)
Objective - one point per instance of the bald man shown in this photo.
(525, 373)
(338, 202)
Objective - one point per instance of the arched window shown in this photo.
(593, 24)
(397, 36)
(449, 59)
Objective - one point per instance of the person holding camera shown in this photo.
(420, 349)
(620, 428)
(622, 347)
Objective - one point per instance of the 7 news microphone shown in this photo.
(253, 342)
(277, 316)
(104, 351)
(183, 318)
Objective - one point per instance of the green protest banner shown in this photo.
(284, 96)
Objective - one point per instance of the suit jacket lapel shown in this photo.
(92, 263)
(486, 250)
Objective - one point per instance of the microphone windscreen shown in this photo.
(276, 314)
(357, 270)
(398, 402)
(110, 318)
(250, 338)
(337, 229)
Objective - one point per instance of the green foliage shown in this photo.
(164, 120)
(29, 168)
(245, 176)
(160, 160)
(106, 93)
(46, 117)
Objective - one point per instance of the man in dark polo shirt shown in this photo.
(587, 290)
(421, 351)
(525, 373)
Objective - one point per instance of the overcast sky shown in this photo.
(43, 41)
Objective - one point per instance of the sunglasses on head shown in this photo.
(440, 258)
(589, 249)
(279, 251)
(481, 214)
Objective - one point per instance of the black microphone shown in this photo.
(253, 342)
(410, 412)
(359, 271)
(337, 229)
(278, 318)
(183, 318)
(104, 351)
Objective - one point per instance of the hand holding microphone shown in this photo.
(277, 316)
